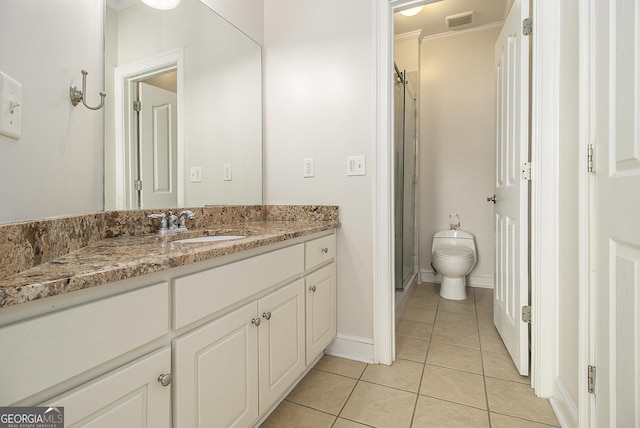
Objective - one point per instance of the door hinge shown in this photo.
(137, 184)
(591, 379)
(137, 106)
(590, 158)
(525, 170)
(527, 27)
(526, 314)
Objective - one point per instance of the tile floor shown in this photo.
(452, 370)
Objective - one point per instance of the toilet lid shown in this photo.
(453, 252)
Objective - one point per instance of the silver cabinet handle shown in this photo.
(256, 321)
(492, 199)
(266, 315)
(312, 288)
(325, 250)
(165, 379)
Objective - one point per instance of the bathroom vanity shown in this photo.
(215, 340)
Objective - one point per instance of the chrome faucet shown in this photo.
(175, 223)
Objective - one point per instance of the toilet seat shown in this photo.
(453, 253)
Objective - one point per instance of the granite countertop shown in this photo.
(114, 259)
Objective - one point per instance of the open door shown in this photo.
(512, 186)
(615, 106)
(157, 147)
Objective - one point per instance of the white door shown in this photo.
(511, 190)
(158, 147)
(616, 107)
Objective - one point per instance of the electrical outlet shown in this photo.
(308, 168)
(227, 172)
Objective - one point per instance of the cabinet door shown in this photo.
(216, 372)
(281, 338)
(321, 310)
(130, 396)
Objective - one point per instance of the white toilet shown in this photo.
(454, 255)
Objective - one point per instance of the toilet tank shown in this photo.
(454, 238)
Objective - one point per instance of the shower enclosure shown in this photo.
(405, 155)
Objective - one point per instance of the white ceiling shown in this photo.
(432, 17)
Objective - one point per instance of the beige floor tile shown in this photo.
(427, 290)
(454, 385)
(341, 366)
(503, 421)
(412, 313)
(501, 366)
(456, 335)
(408, 348)
(434, 413)
(415, 330)
(402, 374)
(323, 391)
(456, 320)
(486, 324)
(417, 302)
(492, 342)
(458, 307)
(519, 400)
(345, 423)
(455, 357)
(379, 406)
(484, 311)
(291, 415)
(484, 296)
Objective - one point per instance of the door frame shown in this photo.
(125, 77)
(544, 143)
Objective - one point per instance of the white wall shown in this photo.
(55, 168)
(246, 15)
(319, 74)
(457, 162)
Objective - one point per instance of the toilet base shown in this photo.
(453, 288)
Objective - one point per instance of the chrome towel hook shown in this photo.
(78, 95)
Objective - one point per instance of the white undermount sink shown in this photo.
(217, 238)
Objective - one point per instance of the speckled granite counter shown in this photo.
(52, 257)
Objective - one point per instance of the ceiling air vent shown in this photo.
(459, 19)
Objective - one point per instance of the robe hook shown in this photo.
(78, 95)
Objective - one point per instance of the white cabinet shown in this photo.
(234, 368)
(234, 337)
(282, 341)
(131, 397)
(321, 310)
(216, 372)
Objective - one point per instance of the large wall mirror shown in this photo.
(183, 115)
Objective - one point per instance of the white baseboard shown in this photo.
(473, 280)
(563, 405)
(352, 348)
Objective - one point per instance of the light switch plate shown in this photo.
(196, 174)
(356, 165)
(10, 107)
(227, 172)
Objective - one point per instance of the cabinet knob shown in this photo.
(266, 315)
(255, 321)
(312, 288)
(165, 379)
(325, 250)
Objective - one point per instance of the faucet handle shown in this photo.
(185, 214)
(163, 220)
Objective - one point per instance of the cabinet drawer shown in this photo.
(319, 251)
(44, 351)
(204, 293)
